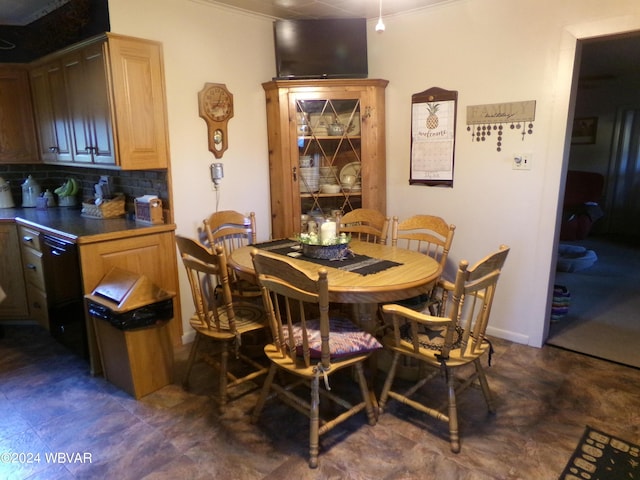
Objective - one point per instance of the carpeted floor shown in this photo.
(604, 314)
(604, 457)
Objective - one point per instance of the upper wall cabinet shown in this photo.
(102, 102)
(50, 103)
(17, 131)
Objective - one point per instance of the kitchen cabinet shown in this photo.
(138, 254)
(17, 130)
(52, 276)
(14, 307)
(326, 148)
(50, 103)
(87, 97)
(115, 102)
(33, 271)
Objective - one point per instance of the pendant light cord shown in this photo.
(380, 24)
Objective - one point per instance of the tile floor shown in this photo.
(51, 406)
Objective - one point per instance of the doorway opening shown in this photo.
(603, 318)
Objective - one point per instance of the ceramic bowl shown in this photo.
(330, 188)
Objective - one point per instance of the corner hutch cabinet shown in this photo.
(102, 102)
(326, 148)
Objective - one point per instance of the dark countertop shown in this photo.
(69, 224)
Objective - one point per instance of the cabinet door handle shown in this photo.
(54, 149)
(31, 266)
(27, 239)
(295, 178)
(94, 151)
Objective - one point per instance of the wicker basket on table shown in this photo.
(326, 252)
(108, 208)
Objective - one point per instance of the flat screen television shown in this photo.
(321, 48)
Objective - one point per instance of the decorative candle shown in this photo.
(327, 232)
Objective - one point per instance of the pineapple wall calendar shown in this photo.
(433, 129)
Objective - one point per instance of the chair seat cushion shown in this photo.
(431, 338)
(417, 303)
(345, 338)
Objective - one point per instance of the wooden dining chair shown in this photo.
(217, 317)
(428, 234)
(310, 345)
(447, 343)
(231, 230)
(365, 224)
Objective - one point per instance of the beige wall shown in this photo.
(203, 43)
(494, 51)
(490, 51)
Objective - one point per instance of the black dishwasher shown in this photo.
(64, 294)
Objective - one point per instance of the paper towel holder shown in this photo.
(148, 210)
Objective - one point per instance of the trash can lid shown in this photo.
(122, 291)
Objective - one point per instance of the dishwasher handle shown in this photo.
(57, 245)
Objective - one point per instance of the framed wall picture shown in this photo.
(433, 130)
(584, 130)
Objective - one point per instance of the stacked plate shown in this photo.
(329, 175)
(329, 180)
(309, 179)
(350, 177)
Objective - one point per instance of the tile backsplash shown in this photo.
(132, 183)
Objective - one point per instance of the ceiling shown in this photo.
(601, 59)
(23, 12)
(327, 8)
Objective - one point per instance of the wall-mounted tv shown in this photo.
(321, 48)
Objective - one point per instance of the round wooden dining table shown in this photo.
(414, 274)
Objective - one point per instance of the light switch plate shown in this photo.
(521, 161)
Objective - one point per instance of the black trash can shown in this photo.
(131, 318)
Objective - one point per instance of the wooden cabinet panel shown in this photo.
(137, 79)
(152, 255)
(11, 276)
(30, 238)
(115, 97)
(38, 305)
(50, 103)
(75, 85)
(33, 267)
(17, 129)
(97, 109)
(86, 90)
(338, 126)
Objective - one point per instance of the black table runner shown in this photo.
(360, 264)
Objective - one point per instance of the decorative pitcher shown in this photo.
(6, 200)
(30, 192)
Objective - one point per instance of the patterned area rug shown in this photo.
(599, 456)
